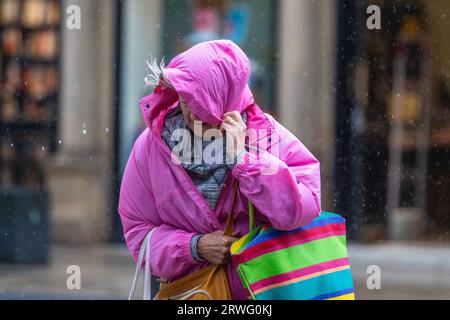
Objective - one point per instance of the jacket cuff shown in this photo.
(241, 163)
(185, 243)
(194, 247)
(310, 211)
(264, 162)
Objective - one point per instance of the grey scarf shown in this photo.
(209, 178)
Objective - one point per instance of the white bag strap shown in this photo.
(145, 250)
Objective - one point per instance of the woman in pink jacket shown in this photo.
(187, 199)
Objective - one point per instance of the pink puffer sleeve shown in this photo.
(284, 186)
(170, 247)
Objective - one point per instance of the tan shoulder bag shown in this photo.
(210, 283)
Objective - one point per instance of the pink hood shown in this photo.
(211, 77)
(156, 192)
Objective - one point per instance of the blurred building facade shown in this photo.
(316, 67)
(125, 35)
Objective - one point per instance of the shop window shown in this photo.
(29, 86)
(402, 126)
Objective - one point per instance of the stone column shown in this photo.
(142, 29)
(307, 44)
(78, 175)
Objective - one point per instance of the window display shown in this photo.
(404, 137)
(29, 85)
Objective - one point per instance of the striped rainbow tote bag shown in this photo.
(309, 263)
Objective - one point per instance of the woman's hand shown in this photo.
(235, 128)
(215, 247)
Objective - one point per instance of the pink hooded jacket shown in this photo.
(156, 192)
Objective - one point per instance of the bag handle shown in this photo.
(251, 216)
(230, 220)
(251, 212)
(145, 250)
